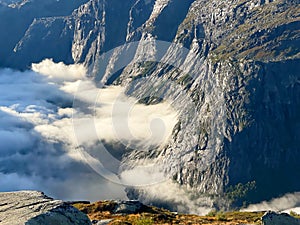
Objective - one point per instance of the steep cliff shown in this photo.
(15, 18)
(237, 137)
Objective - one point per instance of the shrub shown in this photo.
(143, 221)
(212, 213)
(294, 214)
(221, 216)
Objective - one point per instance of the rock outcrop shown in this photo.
(128, 207)
(273, 218)
(35, 208)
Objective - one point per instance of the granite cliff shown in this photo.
(239, 140)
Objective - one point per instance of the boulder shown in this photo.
(273, 218)
(128, 207)
(35, 208)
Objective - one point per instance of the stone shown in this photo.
(35, 208)
(128, 207)
(273, 218)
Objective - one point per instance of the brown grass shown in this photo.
(152, 215)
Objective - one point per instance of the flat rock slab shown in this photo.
(273, 218)
(35, 208)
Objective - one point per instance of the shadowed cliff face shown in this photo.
(266, 149)
(16, 17)
(243, 82)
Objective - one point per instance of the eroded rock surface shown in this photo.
(35, 208)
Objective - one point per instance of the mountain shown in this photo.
(15, 18)
(237, 137)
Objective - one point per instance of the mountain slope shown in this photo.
(237, 136)
(16, 17)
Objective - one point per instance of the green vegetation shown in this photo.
(185, 79)
(250, 217)
(220, 216)
(153, 215)
(246, 217)
(143, 221)
(238, 194)
(212, 213)
(95, 207)
(147, 68)
(251, 36)
(294, 214)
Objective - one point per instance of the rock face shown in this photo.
(34, 208)
(241, 130)
(272, 218)
(128, 207)
(16, 17)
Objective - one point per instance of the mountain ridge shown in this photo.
(244, 87)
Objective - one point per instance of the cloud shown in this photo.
(37, 143)
(125, 120)
(171, 195)
(82, 187)
(43, 132)
(59, 71)
(40, 130)
(286, 202)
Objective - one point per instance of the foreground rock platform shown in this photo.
(35, 208)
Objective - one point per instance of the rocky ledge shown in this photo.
(134, 212)
(35, 208)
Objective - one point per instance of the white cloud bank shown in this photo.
(288, 202)
(59, 71)
(38, 140)
(38, 143)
